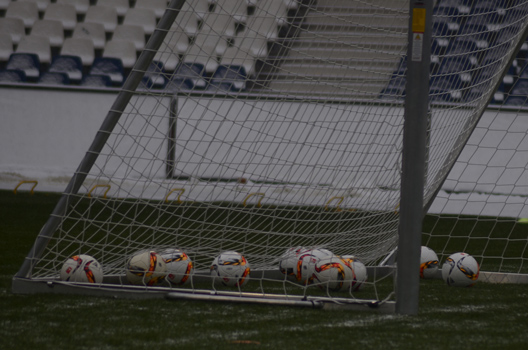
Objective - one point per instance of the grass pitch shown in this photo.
(483, 317)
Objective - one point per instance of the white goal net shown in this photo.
(261, 126)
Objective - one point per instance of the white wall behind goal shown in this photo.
(44, 134)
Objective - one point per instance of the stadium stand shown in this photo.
(228, 45)
(26, 11)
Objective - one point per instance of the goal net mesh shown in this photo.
(266, 125)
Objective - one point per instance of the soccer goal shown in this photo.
(288, 151)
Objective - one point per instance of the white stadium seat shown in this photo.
(107, 16)
(50, 29)
(159, 6)
(133, 33)
(13, 26)
(6, 46)
(41, 4)
(141, 17)
(81, 6)
(124, 50)
(35, 44)
(81, 47)
(64, 13)
(121, 6)
(92, 31)
(26, 11)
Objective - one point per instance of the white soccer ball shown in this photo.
(179, 266)
(460, 270)
(82, 268)
(146, 268)
(428, 263)
(306, 261)
(288, 262)
(359, 270)
(332, 273)
(230, 269)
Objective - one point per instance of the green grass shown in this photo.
(483, 317)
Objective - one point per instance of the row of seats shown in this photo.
(469, 42)
(208, 40)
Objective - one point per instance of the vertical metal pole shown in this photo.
(122, 100)
(413, 159)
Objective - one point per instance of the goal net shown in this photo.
(262, 126)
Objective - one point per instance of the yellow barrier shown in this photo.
(95, 186)
(178, 200)
(341, 199)
(259, 204)
(34, 182)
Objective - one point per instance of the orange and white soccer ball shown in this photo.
(146, 268)
(359, 270)
(428, 263)
(179, 266)
(82, 268)
(230, 269)
(460, 270)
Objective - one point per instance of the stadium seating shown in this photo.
(13, 26)
(124, 50)
(35, 45)
(12, 76)
(64, 13)
(213, 44)
(93, 31)
(26, 11)
(6, 47)
(54, 78)
(158, 6)
(155, 76)
(112, 68)
(107, 16)
(27, 63)
(81, 6)
(51, 29)
(80, 47)
(69, 65)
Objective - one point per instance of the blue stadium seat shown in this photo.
(188, 76)
(26, 62)
(230, 78)
(477, 33)
(110, 67)
(518, 94)
(99, 81)
(441, 33)
(447, 14)
(446, 89)
(155, 77)
(50, 78)
(12, 76)
(459, 66)
(395, 89)
(463, 47)
(70, 65)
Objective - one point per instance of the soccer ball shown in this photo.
(460, 270)
(82, 268)
(306, 261)
(179, 266)
(230, 269)
(288, 262)
(146, 268)
(359, 271)
(428, 263)
(332, 273)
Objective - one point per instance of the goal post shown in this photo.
(295, 133)
(414, 156)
